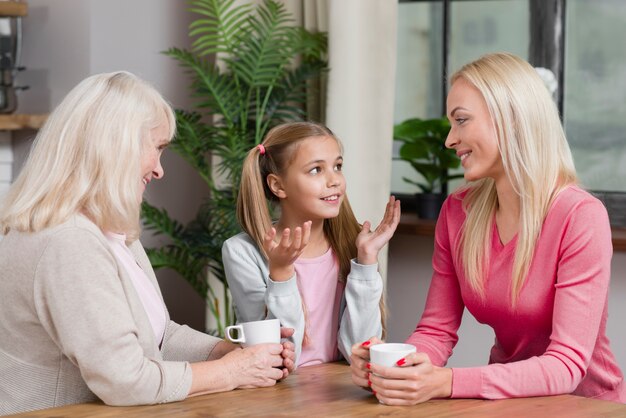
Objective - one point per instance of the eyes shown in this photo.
(460, 121)
(318, 169)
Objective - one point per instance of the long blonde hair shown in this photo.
(253, 212)
(86, 158)
(535, 155)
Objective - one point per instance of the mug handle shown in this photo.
(242, 337)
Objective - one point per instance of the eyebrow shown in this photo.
(340, 158)
(455, 110)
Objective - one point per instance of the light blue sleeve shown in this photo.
(255, 295)
(360, 318)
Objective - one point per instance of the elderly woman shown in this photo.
(81, 314)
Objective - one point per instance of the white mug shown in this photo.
(256, 332)
(387, 354)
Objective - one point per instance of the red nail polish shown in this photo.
(374, 392)
(369, 383)
(401, 362)
(366, 343)
(369, 366)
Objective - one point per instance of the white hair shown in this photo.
(87, 156)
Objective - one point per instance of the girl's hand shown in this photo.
(283, 254)
(289, 352)
(415, 381)
(359, 359)
(369, 243)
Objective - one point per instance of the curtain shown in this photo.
(361, 86)
(313, 16)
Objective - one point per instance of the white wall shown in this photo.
(408, 280)
(68, 40)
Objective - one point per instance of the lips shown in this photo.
(332, 198)
(463, 154)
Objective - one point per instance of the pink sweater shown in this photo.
(555, 342)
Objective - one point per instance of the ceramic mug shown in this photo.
(387, 354)
(256, 332)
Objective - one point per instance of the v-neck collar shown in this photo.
(496, 242)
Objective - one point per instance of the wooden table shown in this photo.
(327, 390)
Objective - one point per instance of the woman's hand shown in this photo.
(369, 243)
(281, 255)
(289, 352)
(221, 349)
(415, 381)
(255, 366)
(251, 367)
(359, 359)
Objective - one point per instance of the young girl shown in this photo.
(315, 269)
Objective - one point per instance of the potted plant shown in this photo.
(258, 84)
(423, 147)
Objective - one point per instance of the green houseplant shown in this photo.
(423, 147)
(256, 86)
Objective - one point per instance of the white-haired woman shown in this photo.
(81, 314)
(521, 246)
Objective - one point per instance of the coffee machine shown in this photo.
(10, 50)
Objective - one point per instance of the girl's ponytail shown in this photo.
(252, 206)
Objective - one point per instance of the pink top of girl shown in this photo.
(321, 294)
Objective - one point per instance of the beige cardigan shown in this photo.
(73, 329)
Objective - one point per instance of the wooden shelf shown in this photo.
(13, 8)
(410, 224)
(16, 122)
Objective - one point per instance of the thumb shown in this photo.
(366, 227)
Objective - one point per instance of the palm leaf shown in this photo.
(219, 31)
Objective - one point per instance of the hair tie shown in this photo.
(261, 149)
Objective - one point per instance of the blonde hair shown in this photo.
(535, 155)
(87, 156)
(253, 212)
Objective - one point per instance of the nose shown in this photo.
(451, 140)
(334, 178)
(158, 171)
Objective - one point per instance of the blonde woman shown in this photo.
(522, 247)
(316, 268)
(81, 314)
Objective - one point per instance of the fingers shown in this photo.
(306, 233)
(359, 375)
(289, 365)
(404, 369)
(296, 241)
(285, 240)
(289, 355)
(286, 332)
(268, 240)
(392, 214)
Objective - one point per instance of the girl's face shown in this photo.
(151, 157)
(312, 187)
(473, 134)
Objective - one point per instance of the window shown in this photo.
(594, 75)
